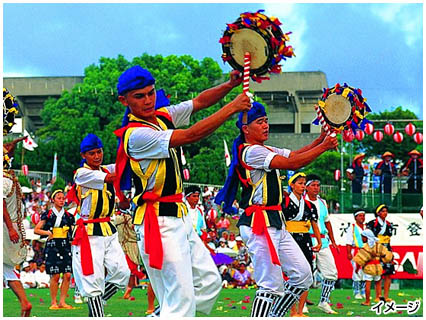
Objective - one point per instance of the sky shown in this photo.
(375, 47)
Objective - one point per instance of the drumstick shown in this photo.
(246, 80)
(322, 121)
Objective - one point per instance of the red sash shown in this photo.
(153, 244)
(122, 158)
(82, 239)
(259, 227)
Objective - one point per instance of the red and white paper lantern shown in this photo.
(389, 129)
(378, 136)
(359, 135)
(398, 137)
(24, 169)
(410, 129)
(337, 174)
(186, 174)
(35, 218)
(418, 137)
(369, 128)
(348, 135)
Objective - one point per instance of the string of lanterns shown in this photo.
(389, 129)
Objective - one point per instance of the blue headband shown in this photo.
(229, 191)
(134, 78)
(257, 111)
(90, 142)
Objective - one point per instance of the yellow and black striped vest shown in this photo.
(167, 173)
(102, 206)
(272, 193)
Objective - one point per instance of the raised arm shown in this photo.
(207, 126)
(213, 95)
(299, 160)
(313, 144)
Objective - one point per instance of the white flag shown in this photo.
(29, 143)
(227, 156)
(182, 156)
(55, 167)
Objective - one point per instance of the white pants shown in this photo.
(325, 264)
(189, 279)
(106, 254)
(368, 277)
(267, 275)
(9, 273)
(356, 276)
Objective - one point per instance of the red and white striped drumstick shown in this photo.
(246, 80)
(322, 121)
(246, 74)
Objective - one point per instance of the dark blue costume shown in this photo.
(57, 251)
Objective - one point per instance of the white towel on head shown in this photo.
(371, 238)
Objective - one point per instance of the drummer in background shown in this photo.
(356, 174)
(272, 249)
(192, 197)
(413, 168)
(386, 169)
(353, 244)
(383, 230)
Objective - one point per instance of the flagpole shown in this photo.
(22, 158)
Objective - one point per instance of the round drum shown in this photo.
(260, 36)
(343, 107)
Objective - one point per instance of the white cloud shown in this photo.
(292, 20)
(405, 18)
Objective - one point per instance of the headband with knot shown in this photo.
(90, 142)
(134, 78)
(229, 191)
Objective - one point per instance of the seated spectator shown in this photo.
(210, 243)
(242, 250)
(41, 277)
(38, 252)
(223, 224)
(33, 266)
(225, 235)
(214, 239)
(30, 251)
(222, 246)
(242, 276)
(231, 241)
(27, 277)
(227, 280)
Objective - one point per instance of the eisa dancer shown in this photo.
(14, 250)
(57, 224)
(181, 271)
(300, 215)
(96, 247)
(272, 249)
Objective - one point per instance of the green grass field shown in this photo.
(231, 303)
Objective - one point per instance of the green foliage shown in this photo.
(23, 181)
(59, 184)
